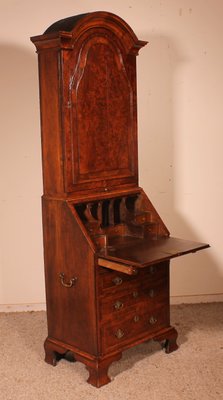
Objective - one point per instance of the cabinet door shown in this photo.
(100, 119)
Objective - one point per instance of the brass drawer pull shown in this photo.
(70, 283)
(117, 281)
(118, 305)
(119, 333)
(151, 293)
(152, 320)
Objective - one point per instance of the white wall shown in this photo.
(180, 98)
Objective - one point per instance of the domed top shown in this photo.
(93, 19)
(65, 24)
(69, 29)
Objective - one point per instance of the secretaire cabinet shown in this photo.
(106, 249)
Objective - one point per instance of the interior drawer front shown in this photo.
(132, 328)
(112, 280)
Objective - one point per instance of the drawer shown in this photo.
(155, 272)
(133, 327)
(113, 281)
(156, 289)
(135, 298)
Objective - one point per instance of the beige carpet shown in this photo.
(194, 372)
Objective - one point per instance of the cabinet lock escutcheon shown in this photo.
(152, 269)
(135, 294)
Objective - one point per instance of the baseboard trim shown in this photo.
(199, 298)
(22, 307)
(204, 298)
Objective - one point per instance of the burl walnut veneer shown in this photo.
(106, 249)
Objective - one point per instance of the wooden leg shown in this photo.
(168, 340)
(98, 375)
(98, 369)
(171, 343)
(53, 353)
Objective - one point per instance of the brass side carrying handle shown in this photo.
(70, 283)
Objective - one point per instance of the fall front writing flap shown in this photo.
(144, 252)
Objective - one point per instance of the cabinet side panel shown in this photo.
(71, 311)
(49, 72)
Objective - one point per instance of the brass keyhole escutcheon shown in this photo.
(152, 269)
(151, 293)
(136, 318)
(135, 294)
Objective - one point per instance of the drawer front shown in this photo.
(141, 298)
(112, 281)
(134, 327)
(131, 307)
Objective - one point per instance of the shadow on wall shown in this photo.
(21, 182)
(159, 64)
